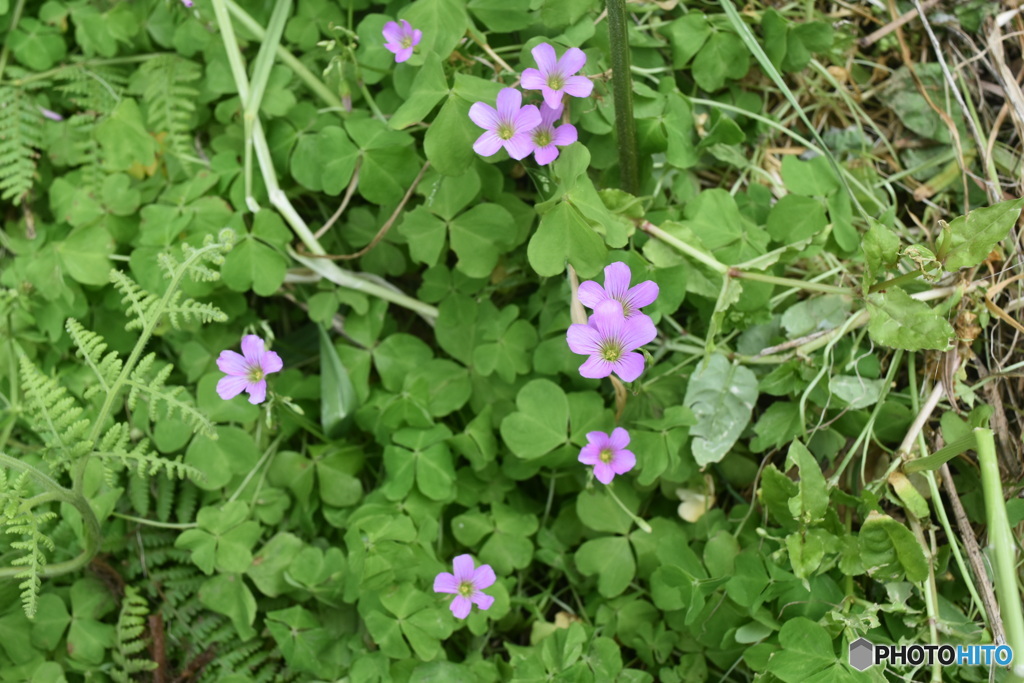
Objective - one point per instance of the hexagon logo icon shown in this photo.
(862, 654)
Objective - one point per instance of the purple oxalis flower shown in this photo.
(467, 584)
(555, 76)
(616, 286)
(247, 372)
(401, 39)
(187, 3)
(548, 138)
(509, 126)
(610, 339)
(608, 454)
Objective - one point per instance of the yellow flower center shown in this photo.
(406, 42)
(555, 81)
(611, 352)
(506, 131)
(542, 138)
(466, 589)
(605, 455)
(256, 375)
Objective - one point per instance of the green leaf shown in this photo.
(448, 142)
(900, 322)
(443, 22)
(86, 254)
(541, 424)
(124, 139)
(233, 452)
(811, 178)
(300, 637)
(254, 265)
(478, 237)
(889, 549)
(811, 502)
(36, 45)
(687, 35)
(597, 509)
(721, 396)
(723, 56)
(881, 251)
(502, 16)
(338, 401)
(565, 235)
(50, 622)
(972, 237)
(806, 648)
(227, 594)
(795, 218)
(611, 559)
(271, 561)
(427, 90)
(324, 162)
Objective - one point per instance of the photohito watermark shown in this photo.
(865, 654)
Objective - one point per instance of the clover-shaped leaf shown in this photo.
(223, 540)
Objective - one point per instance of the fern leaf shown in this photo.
(174, 399)
(93, 89)
(20, 136)
(144, 307)
(164, 83)
(145, 463)
(55, 415)
(91, 347)
(20, 519)
(131, 624)
(139, 301)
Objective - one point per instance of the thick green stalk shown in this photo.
(1004, 562)
(622, 90)
(790, 282)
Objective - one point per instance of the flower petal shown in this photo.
(564, 135)
(616, 280)
(548, 115)
(403, 55)
(257, 391)
(629, 367)
(578, 86)
(488, 144)
(482, 600)
(552, 98)
(417, 36)
(590, 454)
(232, 363)
(253, 349)
(461, 606)
(604, 472)
(406, 27)
(623, 462)
(483, 577)
(446, 583)
(596, 367)
(608, 319)
(642, 294)
(484, 115)
(618, 439)
(547, 60)
(572, 61)
(392, 32)
(464, 567)
(229, 387)
(583, 339)
(531, 80)
(526, 119)
(520, 145)
(545, 155)
(636, 332)
(509, 101)
(591, 294)
(271, 363)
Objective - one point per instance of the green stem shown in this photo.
(154, 523)
(43, 75)
(290, 60)
(7, 44)
(895, 281)
(622, 90)
(639, 522)
(56, 492)
(790, 282)
(1001, 539)
(684, 248)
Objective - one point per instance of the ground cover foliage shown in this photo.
(825, 195)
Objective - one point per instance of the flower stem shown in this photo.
(153, 522)
(622, 90)
(639, 522)
(895, 281)
(1001, 538)
(790, 282)
(684, 248)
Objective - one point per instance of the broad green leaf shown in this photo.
(425, 233)
(502, 16)
(36, 45)
(856, 392)
(478, 237)
(900, 322)
(972, 237)
(338, 400)
(597, 509)
(721, 396)
(227, 594)
(687, 35)
(881, 251)
(254, 265)
(565, 235)
(611, 558)
(807, 548)
(811, 502)
(427, 90)
(50, 622)
(443, 23)
(123, 137)
(325, 161)
(806, 648)
(889, 550)
(818, 313)
(233, 452)
(541, 424)
(722, 57)
(86, 254)
(795, 218)
(448, 143)
(812, 178)
(300, 637)
(271, 561)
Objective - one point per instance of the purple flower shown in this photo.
(247, 372)
(608, 454)
(50, 114)
(609, 339)
(467, 585)
(616, 286)
(547, 138)
(187, 3)
(555, 76)
(508, 126)
(401, 39)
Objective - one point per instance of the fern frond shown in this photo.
(145, 307)
(90, 348)
(93, 89)
(164, 83)
(85, 150)
(55, 415)
(174, 399)
(20, 137)
(20, 519)
(131, 624)
(145, 463)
